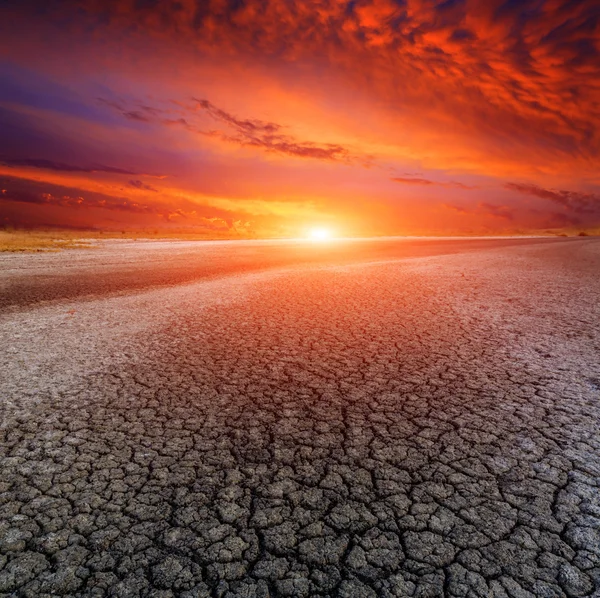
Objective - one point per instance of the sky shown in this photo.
(264, 118)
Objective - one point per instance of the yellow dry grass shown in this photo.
(57, 239)
(19, 240)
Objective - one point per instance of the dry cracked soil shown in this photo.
(415, 426)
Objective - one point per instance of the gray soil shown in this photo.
(385, 420)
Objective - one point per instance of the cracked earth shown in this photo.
(412, 427)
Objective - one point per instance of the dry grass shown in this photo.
(57, 239)
(19, 240)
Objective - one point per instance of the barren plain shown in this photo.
(359, 419)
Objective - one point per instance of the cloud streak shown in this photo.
(428, 182)
(62, 167)
(247, 126)
(482, 208)
(573, 201)
(269, 136)
(142, 186)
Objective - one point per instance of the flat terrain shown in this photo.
(124, 266)
(370, 418)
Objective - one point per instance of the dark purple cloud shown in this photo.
(249, 127)
(573, 201)
(141, 185)
(62, 167)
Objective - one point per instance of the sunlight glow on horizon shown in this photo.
(320, 233)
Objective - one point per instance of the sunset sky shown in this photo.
(266, 117)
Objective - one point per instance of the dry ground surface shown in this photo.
(370, 420)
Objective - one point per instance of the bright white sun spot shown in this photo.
(320, 233)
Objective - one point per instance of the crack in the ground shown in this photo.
(328, 442)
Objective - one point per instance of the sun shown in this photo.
(320, 233)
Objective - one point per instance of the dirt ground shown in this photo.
(382, 420)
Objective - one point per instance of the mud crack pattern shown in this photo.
(425, 428)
